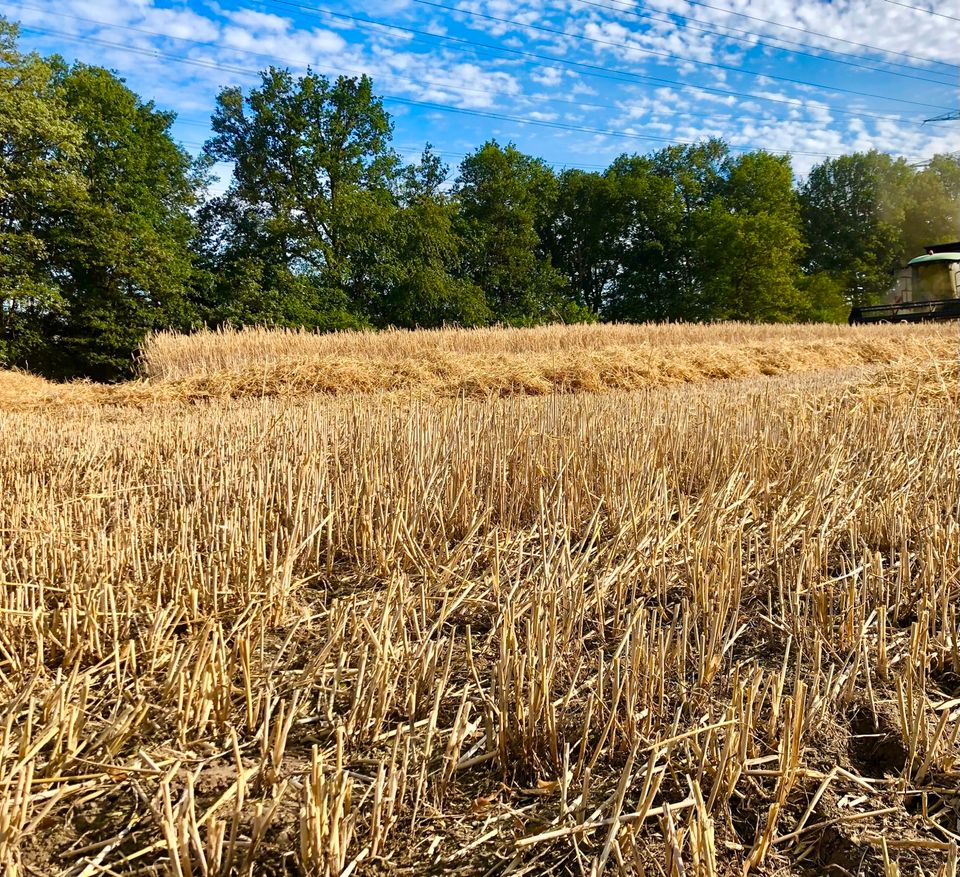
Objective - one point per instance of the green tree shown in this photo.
(424, 255)
(946, 167)
(750, 242)
(653, 280)
(312, 193)
(507, 202)
(697, 172)
(122, 255)
(95, 225)
(585, 234)
(931, 213)
(821, 300)
(853, 209)
(39, 180)
(247, 276)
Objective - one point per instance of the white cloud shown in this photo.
(759, 110)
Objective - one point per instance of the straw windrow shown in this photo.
(500, 362)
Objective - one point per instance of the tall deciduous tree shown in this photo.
(946, 167)
(311, 194)
(39, 178)
(931, 213)
(585, 236)
(655, 280)
(507, 201)
(852, 210)
(750, 243)
(698, 173)
(121, 256)
(95, 225)
(424, 284)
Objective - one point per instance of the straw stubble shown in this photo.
(711, 629)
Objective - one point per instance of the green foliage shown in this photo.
(122, 255)
(750, 242)
(104, 235)
(652, 234)
(947, 169)
(311, 196)
(673, 227)
(852, 211)
(688, 233)
(931, 214)
(698, 171)
(246, 276)
(424, 287)
(867, 214)
(584, 238)
(95, 229)
(39, 180)
(506, 201)
(822, 300)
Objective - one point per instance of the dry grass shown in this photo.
(700, 630)
(455, 363)
(20, 391)
(170, 356)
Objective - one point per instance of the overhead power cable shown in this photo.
(814, 33)
(921, 9)
(585, 130)
(445, 153)
(409, 101)
(655, 52)
(596, 70)
(418, 81)
(754, 39)
(399, 147)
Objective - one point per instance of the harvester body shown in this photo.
(926, 288)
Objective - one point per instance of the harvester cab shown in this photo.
(926, 288)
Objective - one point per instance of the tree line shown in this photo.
(108, 229)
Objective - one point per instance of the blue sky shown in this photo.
(576, 82)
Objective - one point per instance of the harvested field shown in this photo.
(701, 629)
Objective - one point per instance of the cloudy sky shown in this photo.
(576, 82)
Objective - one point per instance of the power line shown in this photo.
(654, 52)
(582, 129)
(398, 147)
(420, 81)
(924, 63)
(594, 70)
(409, 101)
(814, 33)
(270, 57)
(542, 123)
(753, 39)
(921, 9)
(582, 167)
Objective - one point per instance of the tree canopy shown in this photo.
(39, 179)
(108, 231)
(96, 224)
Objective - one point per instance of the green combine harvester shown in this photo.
(927, 288)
